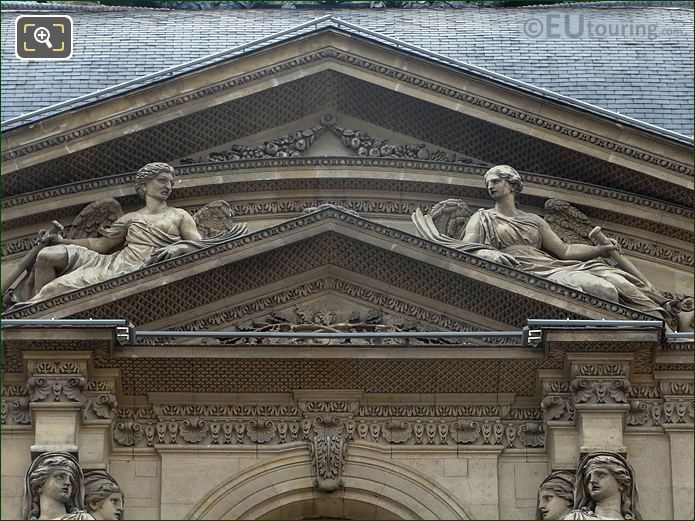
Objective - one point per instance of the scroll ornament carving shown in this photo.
(55, 389)
(127, 433)
(15, 405)
(103, 406)
(586, 391)
(328, 461)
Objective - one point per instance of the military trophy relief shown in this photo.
(55, 487)
(603, 487)
(562, 247)
(104, 243)
(355, 142)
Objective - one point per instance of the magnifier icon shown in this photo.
(43, 35)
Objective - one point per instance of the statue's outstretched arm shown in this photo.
(581, 252)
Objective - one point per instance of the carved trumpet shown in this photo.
(599, 238)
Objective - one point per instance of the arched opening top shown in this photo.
(281, 487)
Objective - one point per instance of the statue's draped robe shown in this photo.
(86, 267)
(77, 514)
(520, 238)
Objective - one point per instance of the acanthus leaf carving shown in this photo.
(328, 462)
(39, 389)
(553, 407)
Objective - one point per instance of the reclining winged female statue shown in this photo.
(506, 235)
(132, 241)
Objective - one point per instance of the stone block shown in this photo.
(136, 487)
(527, 478)
(93, 446)
(134, 512)
(12, 486)
(146, 468)
(16, 454)
(456, 467)
(11, 507)
(55, 426)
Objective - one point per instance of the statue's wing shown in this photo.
(450, 217)
(216, 219)
(95, 217)
(570, 224)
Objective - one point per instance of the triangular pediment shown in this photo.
(406, 132)
(233, 279)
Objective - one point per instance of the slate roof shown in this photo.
(646, 77)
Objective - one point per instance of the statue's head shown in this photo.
(56, 475)
(149, 172)
(601, 475)
(507, 173)
(102, 495)
(556, 495)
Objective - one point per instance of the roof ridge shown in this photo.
(36, 6)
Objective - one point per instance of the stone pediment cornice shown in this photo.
(328, 237)
(371, 62)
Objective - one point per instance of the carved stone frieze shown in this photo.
(420, 431)
(572, 134)
(406, 424)
(342, 407)
(676, 388)
(652, 413)
(600, 369)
